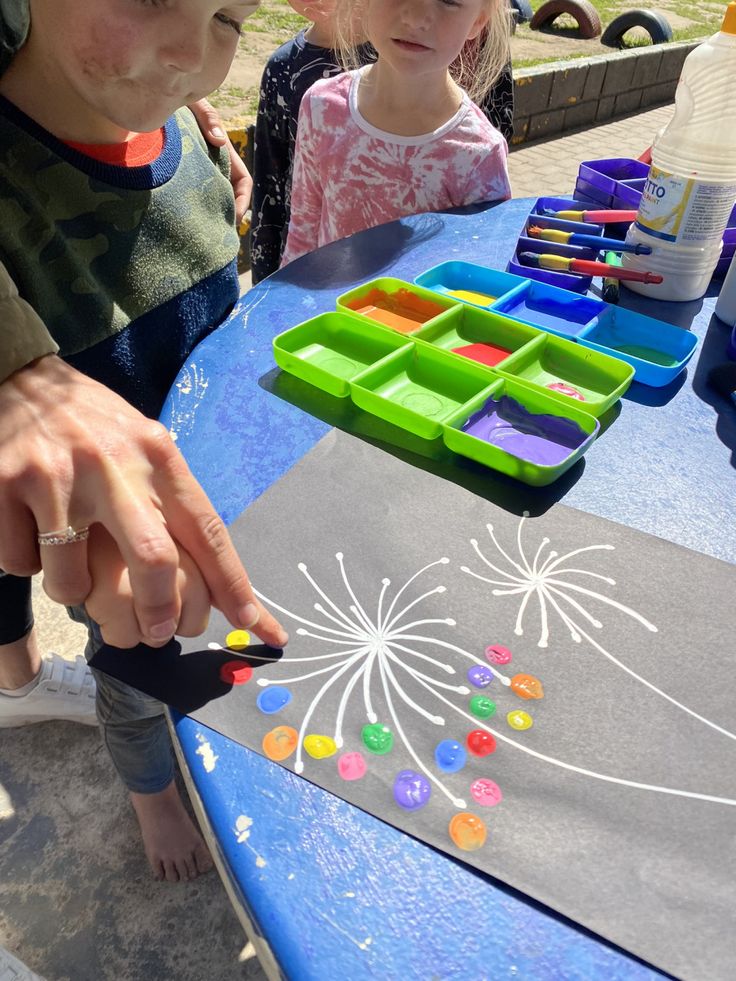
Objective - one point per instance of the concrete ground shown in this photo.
(77, 902)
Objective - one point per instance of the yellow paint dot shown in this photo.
(319, 747)
(280, 743)
(237, 640)
(468, 831)
(519, 720)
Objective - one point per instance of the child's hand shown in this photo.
(111, 604)
(208, 120)
(74, 453)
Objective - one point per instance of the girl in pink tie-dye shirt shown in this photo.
(400, 137)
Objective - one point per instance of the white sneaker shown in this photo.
(11, 969)
(65, 690)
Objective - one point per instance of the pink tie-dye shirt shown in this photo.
(348, 175)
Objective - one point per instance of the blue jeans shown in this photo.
(133, 725)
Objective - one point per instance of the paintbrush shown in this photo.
(610, 291)
(586, 267)
(589, 241)
(607, 217)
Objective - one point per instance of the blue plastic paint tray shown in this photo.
(454, 277)
(558, 311)
(657, 351)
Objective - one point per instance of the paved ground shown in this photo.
(76, 900)
(552, 167)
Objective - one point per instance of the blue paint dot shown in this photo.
(273, 699)
(450, 756)
(411, 790)
(480, 676)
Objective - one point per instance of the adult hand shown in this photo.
(72, 452)
(208, 120)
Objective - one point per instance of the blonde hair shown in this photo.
(475, 69)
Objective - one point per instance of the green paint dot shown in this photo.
(378, 738)
(482, 707)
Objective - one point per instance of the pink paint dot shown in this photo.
(497, 654)
(351, 766)
(486, 792)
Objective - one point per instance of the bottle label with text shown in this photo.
(684, 211)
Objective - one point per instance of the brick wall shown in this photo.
(552, 99)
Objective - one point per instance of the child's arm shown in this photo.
(306, 189)
(271, 179)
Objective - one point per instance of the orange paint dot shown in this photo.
(280, 743)
(468, 831)
(527, 686)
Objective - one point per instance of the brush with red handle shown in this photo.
(586, 267)
(607, 217)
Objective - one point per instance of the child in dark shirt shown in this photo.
(288, 74)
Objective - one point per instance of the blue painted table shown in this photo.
(329, 891)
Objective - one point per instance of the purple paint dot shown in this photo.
(411, 790)
(480, 676)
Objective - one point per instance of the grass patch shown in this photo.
(276, 17)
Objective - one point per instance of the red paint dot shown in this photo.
(480, 742)
(235, 673)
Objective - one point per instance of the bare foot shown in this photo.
(175, 849)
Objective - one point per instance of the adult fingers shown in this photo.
(208, 120)
(195, 598)
(66, 577)
(18, 548)
(197, 527)
(138, 526)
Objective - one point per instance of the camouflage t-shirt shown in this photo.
(129, 268)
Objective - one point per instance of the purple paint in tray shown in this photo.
(543, 439)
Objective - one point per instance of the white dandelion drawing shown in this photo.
(390, 650)
(557, 588)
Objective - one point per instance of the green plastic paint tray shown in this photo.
(539, 406)
(395, 304)
(331, 349)
(476, 334)
(440, 382)
(418, 387)
(570, 372)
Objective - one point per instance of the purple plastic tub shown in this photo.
(585, 191)
(568, 281)
(607, 174)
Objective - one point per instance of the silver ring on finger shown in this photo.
(67, 536)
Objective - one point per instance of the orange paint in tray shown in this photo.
(403, 310)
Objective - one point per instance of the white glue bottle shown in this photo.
(691, 187)
(726, 302)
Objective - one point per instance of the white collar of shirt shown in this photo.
(380, 134)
